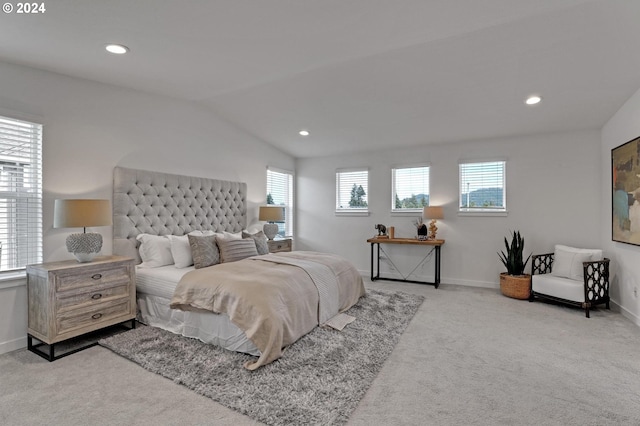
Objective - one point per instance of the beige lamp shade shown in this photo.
(80, 213)
(271, 213)
(433, 212)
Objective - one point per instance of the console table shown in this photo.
(436, 244)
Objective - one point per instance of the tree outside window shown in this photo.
(352, 191)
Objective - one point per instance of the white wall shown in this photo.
(621, 128)
(553, 196)
(89, 128)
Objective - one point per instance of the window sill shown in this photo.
(13, 279)
(406, 213)
(352, 213)
(483, 213)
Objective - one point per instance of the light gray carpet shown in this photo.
(319, 380)
(470, 356)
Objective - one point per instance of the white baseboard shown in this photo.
(13, 345)
(626, 313)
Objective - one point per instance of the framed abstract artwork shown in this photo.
(625, 198)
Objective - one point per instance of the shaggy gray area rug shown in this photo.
(319, 380)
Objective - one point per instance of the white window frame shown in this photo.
(466, 185)
(286, 178)
(423, 190)
(20, 195)
(344, 178)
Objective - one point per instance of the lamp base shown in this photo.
(433, 229)
(84, 246)
(270, 230)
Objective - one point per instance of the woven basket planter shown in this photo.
(515, 286)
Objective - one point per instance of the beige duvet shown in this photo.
(274, 304)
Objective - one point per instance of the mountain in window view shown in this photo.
(484, 197)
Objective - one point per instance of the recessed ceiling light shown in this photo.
(118, 49)
(533, 99)
(303, 133)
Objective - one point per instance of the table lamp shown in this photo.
(271, 214)
(80, 213)
(433, 213)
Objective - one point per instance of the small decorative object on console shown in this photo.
(423, 232)
(382, 230)
(421, 229)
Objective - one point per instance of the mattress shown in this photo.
(155, 287)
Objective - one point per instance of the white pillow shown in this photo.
(181, 249)
(229, 235)
(567, 261)
(155, 250)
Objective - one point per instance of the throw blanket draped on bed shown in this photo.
(322, 277)
(273, 303)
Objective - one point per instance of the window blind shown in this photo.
(352, 188)
(280, 192)
(482, 186)
(410, 188)
(20, 193)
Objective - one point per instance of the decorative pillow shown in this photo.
(261, 241)
(204, 250)
(233, 250)
(567, 261)
(155, 250)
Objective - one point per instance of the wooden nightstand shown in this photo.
(283, 244)
(68, 299)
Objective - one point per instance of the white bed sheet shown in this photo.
(155, 287)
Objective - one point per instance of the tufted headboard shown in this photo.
(165, 204)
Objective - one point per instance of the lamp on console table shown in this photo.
(82, 214)
(271, 214)
(433, 213)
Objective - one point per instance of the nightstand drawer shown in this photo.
(98, 277)
(87, 317)
(91, 296)
(276, 246)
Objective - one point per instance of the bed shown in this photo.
(248, 300)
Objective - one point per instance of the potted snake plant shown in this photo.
(515, 283)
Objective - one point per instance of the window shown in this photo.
(352, 188)
(410, 188)
(20, 194)
(280, 192)
(482, 187)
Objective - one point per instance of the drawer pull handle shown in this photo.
(96, 316)
(96, 296)
(96, 276)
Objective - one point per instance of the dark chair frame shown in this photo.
(596, 282)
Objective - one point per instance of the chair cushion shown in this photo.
(567, 261)
(563, 288)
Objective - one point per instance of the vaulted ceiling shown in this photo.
(357, 74)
